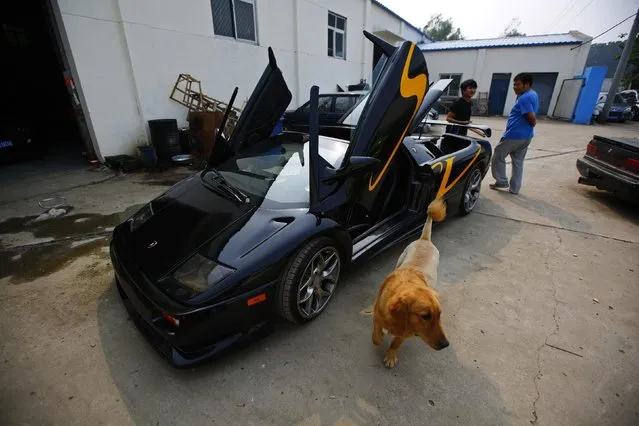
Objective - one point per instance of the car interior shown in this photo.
(383, 208)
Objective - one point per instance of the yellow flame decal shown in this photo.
(444, 187)
(408, 87)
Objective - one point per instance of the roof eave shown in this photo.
(503, 46)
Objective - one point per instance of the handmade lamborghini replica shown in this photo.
(269, 226)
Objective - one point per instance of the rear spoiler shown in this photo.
(480, 129)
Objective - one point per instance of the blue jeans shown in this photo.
(517, 149)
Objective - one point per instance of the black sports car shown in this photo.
(273, 221)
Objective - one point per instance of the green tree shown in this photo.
(631, 76)
(441, 29)
(512, 29)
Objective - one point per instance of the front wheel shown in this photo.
(310, 281)
(470, 195)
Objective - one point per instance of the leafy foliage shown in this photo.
(512, 29)
(441, 29)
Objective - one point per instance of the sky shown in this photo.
(488, 18)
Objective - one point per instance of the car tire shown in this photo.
(470, 194)
(309, 283)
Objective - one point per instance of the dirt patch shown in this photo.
(96, 269)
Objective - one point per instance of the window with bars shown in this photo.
(336, 36)
(234, 18)
(453, 88)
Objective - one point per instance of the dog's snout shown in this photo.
(443, 343)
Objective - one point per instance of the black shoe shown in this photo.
(498, 186)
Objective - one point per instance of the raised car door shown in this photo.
(263, 109)
(432, 95)
(385, 120)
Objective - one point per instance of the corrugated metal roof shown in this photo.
(491, 43)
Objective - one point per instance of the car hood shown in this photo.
(185, 218)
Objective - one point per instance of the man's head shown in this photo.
(468, 88)
(522, 83)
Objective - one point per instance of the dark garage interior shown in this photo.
(45, 146)
(39, 120)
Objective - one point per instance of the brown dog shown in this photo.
(406, 305)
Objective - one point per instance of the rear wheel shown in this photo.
(470, 195)
(310, 281)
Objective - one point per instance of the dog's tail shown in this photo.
(436, 212)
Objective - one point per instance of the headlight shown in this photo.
(199, 273)
(627, 110)
(140, 217)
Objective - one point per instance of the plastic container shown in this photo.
(147, 155)
(165, 138)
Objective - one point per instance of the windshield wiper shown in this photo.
(229, 189)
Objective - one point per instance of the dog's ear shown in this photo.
(399, 307)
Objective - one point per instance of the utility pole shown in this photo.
(621, 69)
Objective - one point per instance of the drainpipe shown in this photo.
(365, 43)
(296, 48)
(142, 128)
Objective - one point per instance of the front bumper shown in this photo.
(203, 332)
(607, 178)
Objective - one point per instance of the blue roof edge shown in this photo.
(376, 2)
(500, 46)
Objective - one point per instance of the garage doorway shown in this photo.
(498, 93)
(42, 117)
(544, 85)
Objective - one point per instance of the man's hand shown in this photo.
(530, 117)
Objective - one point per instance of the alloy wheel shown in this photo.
(318, 282)
(472, 192)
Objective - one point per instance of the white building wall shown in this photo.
(480, 64)
(103, 73)
(128, 54)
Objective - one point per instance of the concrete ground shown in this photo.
(539, 294)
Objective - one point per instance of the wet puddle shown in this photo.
(27, 262)
(165, 179)
(69, 225)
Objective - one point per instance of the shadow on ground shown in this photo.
(546, 210)
(623, 208)
(324, 372)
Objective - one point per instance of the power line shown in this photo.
(561, 14)
(608, 30)
(580, 12)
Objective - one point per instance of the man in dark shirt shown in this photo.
(459, 112)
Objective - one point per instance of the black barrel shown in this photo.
(165, 138)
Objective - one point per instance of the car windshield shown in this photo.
(273, 174)
(618, 99)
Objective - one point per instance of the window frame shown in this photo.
(452, 75)
(337, 30)
(234, 18)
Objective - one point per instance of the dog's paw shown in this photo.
(391, 359)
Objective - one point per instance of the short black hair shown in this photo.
(524, 78)
(468, 83)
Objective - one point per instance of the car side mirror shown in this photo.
(355, 166)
